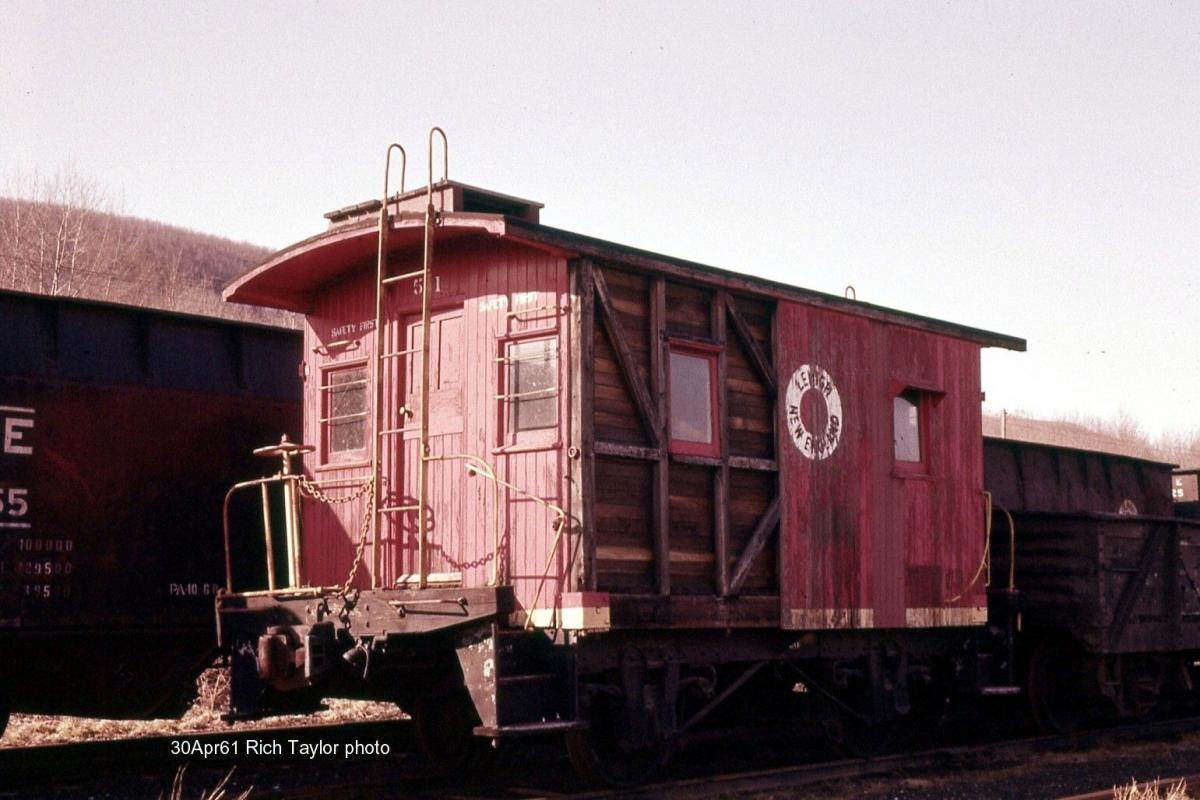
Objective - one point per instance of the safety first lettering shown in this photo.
(819, 444)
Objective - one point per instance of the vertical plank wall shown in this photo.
(486, 293)
(866, 544)
(665, 522)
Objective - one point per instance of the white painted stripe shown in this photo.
(16, 525)
(827, 618)
(18, 410)
(945, 617)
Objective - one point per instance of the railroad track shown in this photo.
(34, 768)
(957, 757)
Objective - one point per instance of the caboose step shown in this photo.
(530, 728)
(999, 691)
(509, 680)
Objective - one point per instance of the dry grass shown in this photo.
(1152, 790)
(217, 793)
(204, 715)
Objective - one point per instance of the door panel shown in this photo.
(446, 420)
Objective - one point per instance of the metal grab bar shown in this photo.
(559, 526)
(293, 541)
(560, 521)
(381, 267)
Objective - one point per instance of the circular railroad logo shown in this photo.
(819, 444)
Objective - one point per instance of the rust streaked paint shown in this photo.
(858, 533)
(944, 617)
(832, 618)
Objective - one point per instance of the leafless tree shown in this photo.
(1121, 433)
(61, 235)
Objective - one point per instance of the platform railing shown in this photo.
(291, 525)
(292, 483)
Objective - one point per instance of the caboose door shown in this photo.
(446, 423)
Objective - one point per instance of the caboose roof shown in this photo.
(291, 278)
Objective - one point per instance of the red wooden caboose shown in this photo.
(556, 483)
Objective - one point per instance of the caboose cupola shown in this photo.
(449, 196)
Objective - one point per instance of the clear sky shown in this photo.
(1031, 168)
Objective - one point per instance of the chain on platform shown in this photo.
(314, 491)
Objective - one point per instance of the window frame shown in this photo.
(711, 353)
(329, 456)
(510, 438)
(927, 397)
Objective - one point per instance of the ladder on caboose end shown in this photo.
(382, 282)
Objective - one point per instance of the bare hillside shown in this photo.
(75, 250)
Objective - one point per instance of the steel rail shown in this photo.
(781, 778)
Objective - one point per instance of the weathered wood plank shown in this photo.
(694, 611)
(587, 429)
(761, 464)
(757, 356)
(575, 422)
(616, 336)
(662, 490)
(689, 311)
(621, 450)
(695, 461)
(1136, 581)
(766, 526)
(721, 477)
(785, 570)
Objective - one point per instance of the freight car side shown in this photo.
(1108, 576)
(119, 430)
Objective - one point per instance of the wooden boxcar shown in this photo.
(120, 429)
(1109, 577)
(633, 468)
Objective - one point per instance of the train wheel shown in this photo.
(599, 755)
(1057, 684)
(862, 739)
(851, 726)
(445, 723)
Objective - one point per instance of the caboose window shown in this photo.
(692, 388)
(345, 419)
(906, 426)
(533, 385)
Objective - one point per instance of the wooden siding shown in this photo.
(867, 543)
(486, 295)
(668, 523)
(1027, 476)
(852, 541)
(330, 532)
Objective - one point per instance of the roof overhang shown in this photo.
(291, 278)
(579, 245)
